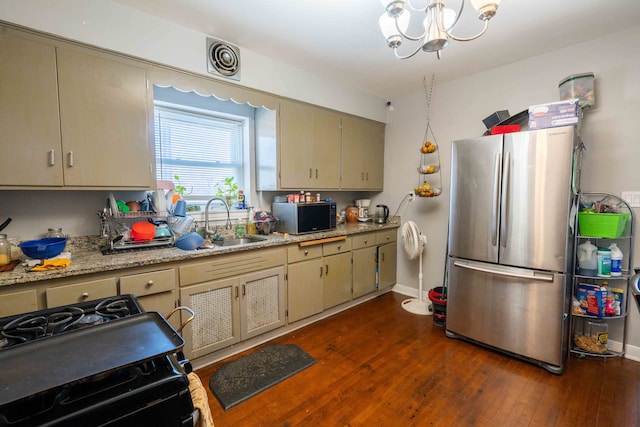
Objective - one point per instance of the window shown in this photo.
(201, 147)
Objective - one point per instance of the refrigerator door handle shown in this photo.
(495, 206)
(519, 273)
(505, 200)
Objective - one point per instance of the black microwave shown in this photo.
(301, 218)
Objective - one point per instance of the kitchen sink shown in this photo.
(239, 242)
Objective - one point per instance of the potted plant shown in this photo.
(228, 190)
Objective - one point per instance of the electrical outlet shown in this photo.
(632, 198)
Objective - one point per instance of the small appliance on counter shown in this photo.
(363, 209)
(299, 218)
(381, 215)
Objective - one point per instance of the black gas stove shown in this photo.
(97, 363)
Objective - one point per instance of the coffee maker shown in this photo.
(363, 209)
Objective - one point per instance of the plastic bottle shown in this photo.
(5, 250)
(604, 262)
(587, 259)
(616, 260)
(242, 203)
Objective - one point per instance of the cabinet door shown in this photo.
(362, 154)
(304, 289)
(337, 279)
(387, 264)
(296, 140)
(29, 119)
(217, 316)
(352, 135)
(373, 156)
(364, 271)
(325, 161)
(104, 121)
(262, 304)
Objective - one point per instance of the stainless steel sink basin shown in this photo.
(239, 242)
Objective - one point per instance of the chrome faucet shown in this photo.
(228, 226)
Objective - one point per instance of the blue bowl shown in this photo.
(190, 241)
(43, 248)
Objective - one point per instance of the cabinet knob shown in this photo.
(149, 283)
(366, 241)
(85, 295)
(339, 247)
(70, 159)
(306, 252)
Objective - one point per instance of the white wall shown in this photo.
(610, 132)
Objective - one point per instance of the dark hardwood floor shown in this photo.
(379, 365)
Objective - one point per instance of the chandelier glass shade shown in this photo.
(437, 24)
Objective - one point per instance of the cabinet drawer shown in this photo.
(231, 265)
(363, 240)
(85, 291)
(18, 303)
(148, 283)
(296, 253)
(338, 247)
(387, 236)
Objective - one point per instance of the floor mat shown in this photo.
(243, 378)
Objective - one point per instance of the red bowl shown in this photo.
(143, 231)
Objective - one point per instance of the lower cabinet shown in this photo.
(155, 291)
(236, 303)
(304, 287)
(338, 273)
(365, 263)
(387, 258)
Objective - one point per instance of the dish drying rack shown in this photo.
(116, 228)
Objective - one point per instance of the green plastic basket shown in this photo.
(607, 225)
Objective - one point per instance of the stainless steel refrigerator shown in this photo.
(511, 238)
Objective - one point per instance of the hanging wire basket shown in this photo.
(429, 180)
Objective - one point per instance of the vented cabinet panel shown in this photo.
(216, 320)
(263, 302)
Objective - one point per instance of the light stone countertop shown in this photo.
(87, 258)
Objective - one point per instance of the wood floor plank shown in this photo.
(378, 365)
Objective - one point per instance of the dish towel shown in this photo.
(200, 400)
(52, 264)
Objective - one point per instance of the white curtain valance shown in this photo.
(187, 82)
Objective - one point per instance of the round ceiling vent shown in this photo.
(224, 59)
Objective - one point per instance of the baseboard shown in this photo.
(632, 352)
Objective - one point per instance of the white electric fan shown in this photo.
(414, 243)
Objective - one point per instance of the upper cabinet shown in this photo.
(309, 147)
(104, 121)
(362, 154)
(321, 149)
(73, 117)
(29, 115)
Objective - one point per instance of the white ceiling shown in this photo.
(341, 38)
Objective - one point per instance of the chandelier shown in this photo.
(437, 24)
